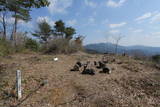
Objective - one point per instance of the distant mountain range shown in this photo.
(131, 50)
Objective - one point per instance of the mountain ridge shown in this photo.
(109, 47)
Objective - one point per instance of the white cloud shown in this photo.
(112, 3)
(90, 3)
(155, 18)
(137, 30)
(47, 19)
(152, 16)
(114, 31)
(144, 16)
(72, 22)
(91, 20)
(105, 21)
(117, 25)
(59, 6)
(156, 34)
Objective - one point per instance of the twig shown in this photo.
(74, 99)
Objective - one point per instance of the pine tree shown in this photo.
(3, 13)
(59, 28)
(44, 31)
(21, 10)
(69, 32)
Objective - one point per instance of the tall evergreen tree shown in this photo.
(44, 31)
(59, 28)
(69, 32)
(3, 15)
(21, 10)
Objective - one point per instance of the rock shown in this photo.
(44, 82)
(79, 64)
(75, 68)
(95, 63)
(157, 66)
(119, 62)
(101, 65)
(105, 70)
(105, 61)
(89, 71)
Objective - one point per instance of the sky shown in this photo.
(138, 21)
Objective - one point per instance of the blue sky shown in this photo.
(100, 20)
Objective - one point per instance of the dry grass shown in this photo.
(132, 83)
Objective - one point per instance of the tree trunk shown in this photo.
(14, 33)
(15, 28)
(116, 48)
(4, 24)
(4, 27)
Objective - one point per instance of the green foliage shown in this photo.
(59, 28)
(32, 45)
(156, 58)
(19, 8)
(5, 47)
(63, 31)
(62, 42)
(38, 3)
(44, 31)
(3, 5)
(69, 32)
(22, 8)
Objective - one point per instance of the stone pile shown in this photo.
(90, 67)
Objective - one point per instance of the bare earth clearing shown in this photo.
(132, 83)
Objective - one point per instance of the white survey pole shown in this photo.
(19, 89)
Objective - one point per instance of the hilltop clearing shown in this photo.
(131, 83)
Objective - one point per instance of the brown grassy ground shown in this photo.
(132, 83)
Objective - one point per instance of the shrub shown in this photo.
(61, 45)
(156, 58)
(31, 45)
(19, 43)
(5, 47)
(58, 45)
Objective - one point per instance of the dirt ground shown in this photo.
(132, 83)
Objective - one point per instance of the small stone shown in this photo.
(44, 82)
(89, 71)
(105, 70)
(75, 68)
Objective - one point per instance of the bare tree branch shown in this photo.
(117, 39)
